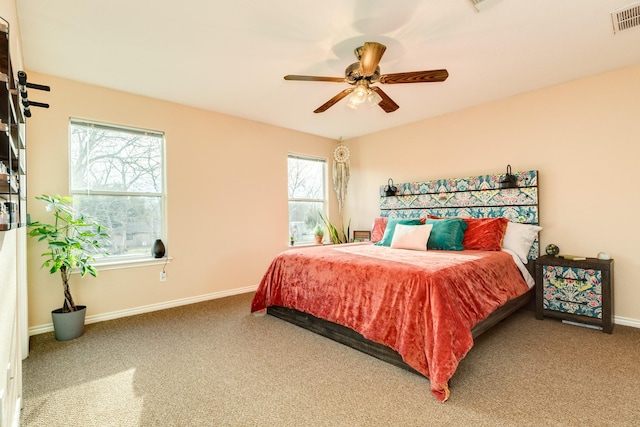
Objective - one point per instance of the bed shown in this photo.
(417, 309)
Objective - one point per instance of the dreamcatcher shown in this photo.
(341, 173)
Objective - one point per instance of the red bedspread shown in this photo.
(421, 304)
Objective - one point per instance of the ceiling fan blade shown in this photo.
(414, 77)
(371, 55)
(387, 104)
(324, 107)
(315, 78)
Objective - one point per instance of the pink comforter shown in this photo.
(421, 304)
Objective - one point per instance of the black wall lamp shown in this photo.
(390, 189)
(509, 180)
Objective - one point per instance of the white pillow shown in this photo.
(412, 237)
(519, 238)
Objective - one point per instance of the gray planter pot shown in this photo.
(68, 326)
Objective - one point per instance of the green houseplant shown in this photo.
(71, 243)
(334, 234)
(318, 231)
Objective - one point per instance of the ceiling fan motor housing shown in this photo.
(352, 74)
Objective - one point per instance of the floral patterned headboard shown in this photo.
(474, 197)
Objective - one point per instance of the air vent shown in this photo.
(626, 18)
(481, 5)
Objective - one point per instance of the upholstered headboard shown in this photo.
(472, 197)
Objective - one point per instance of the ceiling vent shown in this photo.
(626, 18)
(481, 5)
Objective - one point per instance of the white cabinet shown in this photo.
(12, 239)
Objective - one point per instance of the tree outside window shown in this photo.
(307, 196)
(117, 177)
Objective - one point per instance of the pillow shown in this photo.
(413, 237)
(379, 225)
(446, 234)
(387, 238)
(519, 238)
(484, 234)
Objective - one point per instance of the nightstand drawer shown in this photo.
(575, 290)
(572, 290)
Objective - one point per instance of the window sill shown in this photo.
(130, 263)
(309, 244)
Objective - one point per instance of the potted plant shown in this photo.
(71, 243)
(334, 234)
(318, 231)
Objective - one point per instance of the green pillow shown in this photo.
(391, 228)
(447, 234)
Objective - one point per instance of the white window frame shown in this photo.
(112, 262)
(325, 182)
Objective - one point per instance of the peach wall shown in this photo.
(227, 196)
(581, 136)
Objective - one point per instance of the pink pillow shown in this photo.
(379, 225)
(484, 234)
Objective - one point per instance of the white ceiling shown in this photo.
(231, 56)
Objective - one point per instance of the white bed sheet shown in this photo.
(523, 268)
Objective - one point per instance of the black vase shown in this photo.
(157, 250)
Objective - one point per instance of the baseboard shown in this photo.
(35, 330)
(625, 321)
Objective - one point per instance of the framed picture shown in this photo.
(361, 236)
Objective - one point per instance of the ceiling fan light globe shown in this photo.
(357, 97)
(354, 102)
(360, 92)
(353, 105)
(373, 98)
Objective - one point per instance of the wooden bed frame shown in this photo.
(353, 339)
(470, 197)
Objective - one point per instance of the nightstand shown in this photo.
(579, 291)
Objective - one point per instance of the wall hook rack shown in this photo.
(22, 88)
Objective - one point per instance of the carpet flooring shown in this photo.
(215, 364)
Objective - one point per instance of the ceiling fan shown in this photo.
(362, 74)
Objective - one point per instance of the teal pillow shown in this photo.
(391, 228)
(447, 234)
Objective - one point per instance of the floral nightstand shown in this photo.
(579, 291)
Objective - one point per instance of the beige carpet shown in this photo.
(214, 364)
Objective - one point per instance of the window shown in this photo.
(117, 177)
(307, 196)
